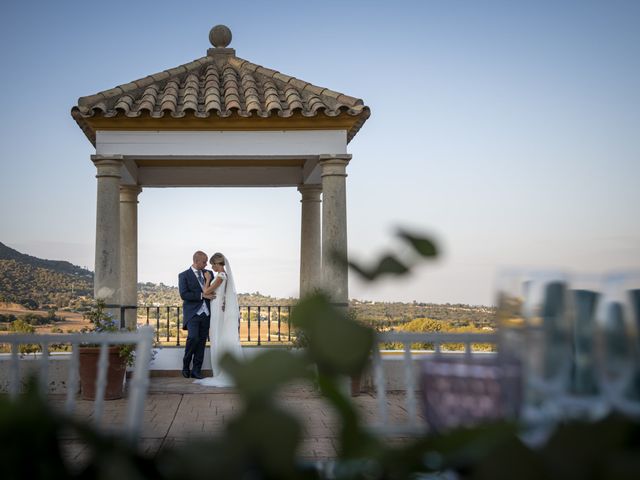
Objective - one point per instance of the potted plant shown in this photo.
(120, 356)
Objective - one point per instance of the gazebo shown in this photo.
(217, 121)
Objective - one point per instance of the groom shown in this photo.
(196, 314)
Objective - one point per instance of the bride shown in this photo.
(225, 317)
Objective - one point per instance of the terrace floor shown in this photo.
(177, 410)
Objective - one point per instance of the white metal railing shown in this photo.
(139, 382)
(413, 425)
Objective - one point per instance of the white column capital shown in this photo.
(108, 165)
(98, 157)
(344, 157)
(334, 165)
(310, 192)
(129, 193)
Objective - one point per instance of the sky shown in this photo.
(509, 132)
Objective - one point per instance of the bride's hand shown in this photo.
(207, 276)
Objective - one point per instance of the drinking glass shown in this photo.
(584, 399)
(618, 347)
(511, 291)
(535, 328)
(548, 350)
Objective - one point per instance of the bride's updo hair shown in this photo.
(217, 258)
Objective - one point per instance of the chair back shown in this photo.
(427, 375)
(137, 385)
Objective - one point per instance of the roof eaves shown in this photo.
(342, 98)
(363, 116)
(331, 93)
(84, 125)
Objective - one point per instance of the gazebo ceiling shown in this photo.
(219, 92)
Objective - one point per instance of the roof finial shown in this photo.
(220, 36)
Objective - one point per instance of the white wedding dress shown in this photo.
(223, 331)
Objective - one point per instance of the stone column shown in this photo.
(129, 251)
(334, 227)
(310, 239)
(106, 283)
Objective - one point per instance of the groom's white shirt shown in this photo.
(203, 308)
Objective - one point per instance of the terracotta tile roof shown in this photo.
(221, 85)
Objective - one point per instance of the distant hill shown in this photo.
(60, 266)
(390, 314)
(378, 314)
(151, 294)
(38, 283)
(38, 287)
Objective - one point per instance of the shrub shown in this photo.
(8, 318)
(21, 326)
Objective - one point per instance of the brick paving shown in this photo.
(177, 410)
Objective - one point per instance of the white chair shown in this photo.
(414, 425)
(138, 384)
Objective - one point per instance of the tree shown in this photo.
(29, 303)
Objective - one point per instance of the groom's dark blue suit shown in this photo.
(196, 325)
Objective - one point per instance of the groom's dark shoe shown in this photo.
(197, 375)
(186, 373)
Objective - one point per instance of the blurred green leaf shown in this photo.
(508, 460)
(200, 458)
(355, 441)
(464, 447)
(577, 449)
(386, 265)
(422, 245)
(336, 344)
(262, 375)
(268, 438)
(389, 264)
(29, 431)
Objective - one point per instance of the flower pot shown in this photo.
(89, 373)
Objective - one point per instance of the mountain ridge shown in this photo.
(61, 266)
